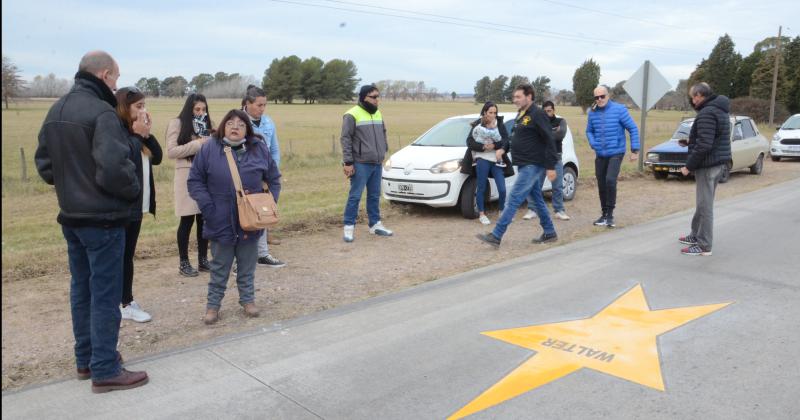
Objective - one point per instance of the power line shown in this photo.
(484, 25)
(650, 22)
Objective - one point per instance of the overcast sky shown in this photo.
(448, 44)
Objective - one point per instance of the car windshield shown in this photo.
(792, 123)
(683, 130)
(450, 133)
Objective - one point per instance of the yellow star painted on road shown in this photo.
(620, 340)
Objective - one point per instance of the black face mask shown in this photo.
(368, 107)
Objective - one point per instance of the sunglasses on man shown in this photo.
(599, 97)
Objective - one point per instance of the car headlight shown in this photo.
(446, 166)
(387, 165)
(776, 137)
(652, 157)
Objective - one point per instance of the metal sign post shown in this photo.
(645, 88)
(643, 121)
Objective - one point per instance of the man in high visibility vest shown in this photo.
(364, 146)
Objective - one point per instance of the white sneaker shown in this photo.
(529, 215)
(135, 313)
(380, 230)
(348, 232)
(562, 215)
(485, 220)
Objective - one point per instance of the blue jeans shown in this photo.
(95, 262)
(367, 175)
(483, 167)
(529, 182)
(558, 190)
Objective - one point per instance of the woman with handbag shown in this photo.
(185, 136)
(234, 155)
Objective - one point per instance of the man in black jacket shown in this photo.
(709, 152)
(534, 154)
(84, 151)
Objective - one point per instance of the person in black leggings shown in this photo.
(146, 152)
(185, 136)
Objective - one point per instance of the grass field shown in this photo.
(314, 188)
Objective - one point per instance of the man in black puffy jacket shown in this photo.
(709, 152)
(84, 151)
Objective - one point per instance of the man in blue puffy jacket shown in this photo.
(605, 130)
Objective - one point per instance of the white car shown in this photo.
(786, 142)
(428, 170)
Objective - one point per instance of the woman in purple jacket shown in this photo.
(211, 186)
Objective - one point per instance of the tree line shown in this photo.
(730, 74)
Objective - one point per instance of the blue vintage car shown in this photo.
(748, 148)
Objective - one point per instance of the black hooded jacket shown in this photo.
(710, 136)
(84, 151)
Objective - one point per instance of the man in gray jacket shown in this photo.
(709, 152)
(84, 151)
(363, 148)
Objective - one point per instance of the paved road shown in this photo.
(421, 353)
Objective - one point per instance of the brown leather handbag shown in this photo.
(256, 211)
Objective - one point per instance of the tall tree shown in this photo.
(453, 95)
(744, 74)
(497, 89)
(153, 87)
(12, 82)
(721, 66)
(339, 80)
(200, 82)
(699, 73)
(174, 86)
(482, 89)
(515, 81)
(585, 79)
(142, 84)
(761, 83)
(311, 79)
(541, 88)
(791, 61)
(565, 97)
(282, 79)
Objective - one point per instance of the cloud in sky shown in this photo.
(152, 38)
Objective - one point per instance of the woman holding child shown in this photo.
(487, 156)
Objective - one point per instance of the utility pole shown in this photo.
(775, 79)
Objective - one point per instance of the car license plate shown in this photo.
(794, 148)
(405, 188)
(674, 170)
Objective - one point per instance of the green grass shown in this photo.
(314, 188)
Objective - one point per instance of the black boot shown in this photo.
(203, 265)
(610, 220)
(186, 269)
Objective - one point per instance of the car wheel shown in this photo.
(660, 175)
(726, 173)
(466, 202)
(758, 166)
(776, 158)
(569, 183)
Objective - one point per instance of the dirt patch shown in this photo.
(322, 272)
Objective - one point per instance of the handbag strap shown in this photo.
(237, 182)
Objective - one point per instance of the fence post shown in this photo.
(24, 164)
(398, 142)
(290, 146)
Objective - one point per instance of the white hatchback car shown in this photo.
(786, 142)
(427, 170)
